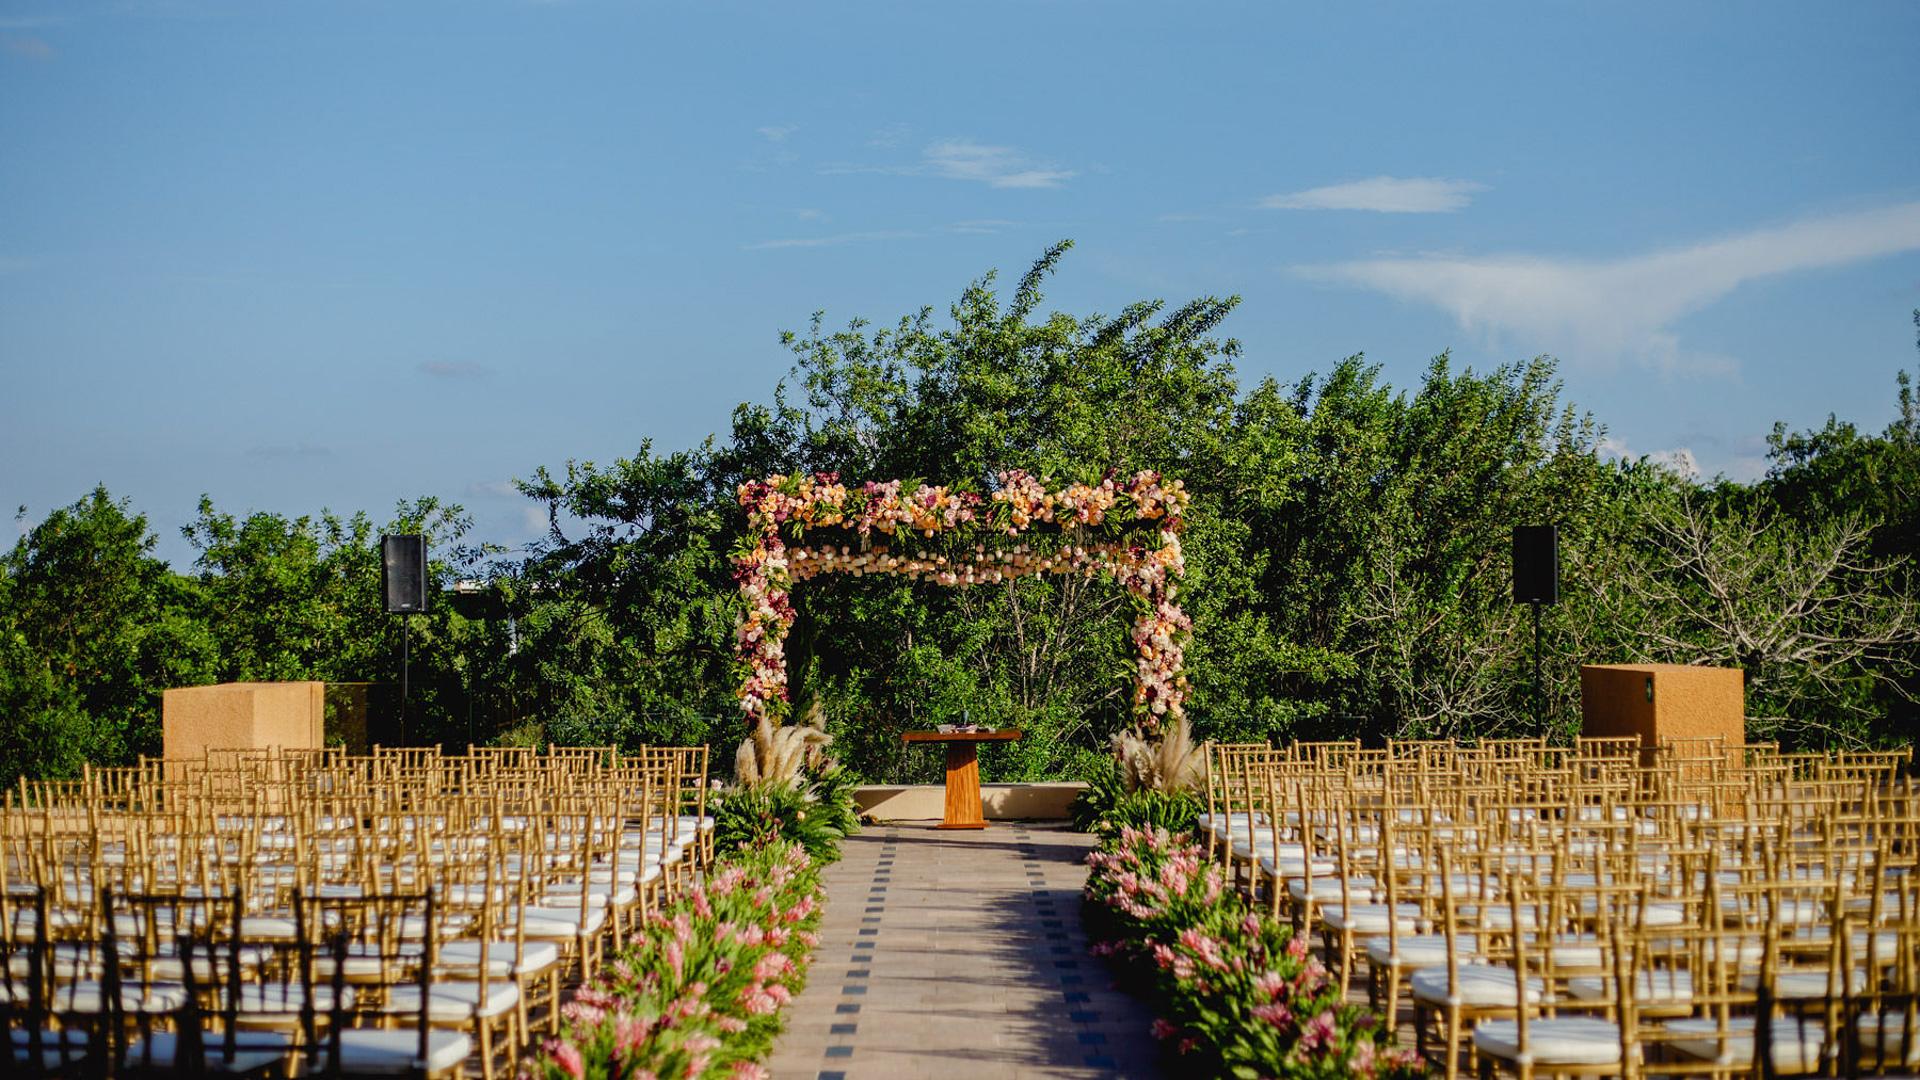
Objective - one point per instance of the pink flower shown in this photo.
(747, 1070)
(567, 1056)
(1363, 1058)
(1163, 1030)
(1318, 1031)
(1276, 1014)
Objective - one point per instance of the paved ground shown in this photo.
(960, 954)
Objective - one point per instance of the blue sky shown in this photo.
(296, 255)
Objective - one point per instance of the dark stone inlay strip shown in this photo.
(839, 1051)
(853, 989)
(852, 1009)
(842, 1029)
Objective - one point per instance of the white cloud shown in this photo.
(981, 226)
(831, 241)
(995, 166)
(965, 159)
(492, 489)
(1610, 309)
(1383, 194)
(895, 134)
(777, 132)
(31, 48)
(1679, 459)
(809, 213)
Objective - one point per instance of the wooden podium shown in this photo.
(1663, 702)
(241, 716)
(963, 772)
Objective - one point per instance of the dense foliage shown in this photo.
(698, 991)
(1346, 550)
(1237, 993)
(816, 813)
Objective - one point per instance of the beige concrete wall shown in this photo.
(1002, 802)
(1687, 702)
(242, 716)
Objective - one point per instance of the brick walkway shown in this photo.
(960, 954)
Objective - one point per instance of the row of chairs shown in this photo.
(400, 912)
(1597, 909)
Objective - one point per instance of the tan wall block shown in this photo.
(195, 719)
(1688, 702)
(1001, 802)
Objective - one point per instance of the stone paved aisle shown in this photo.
(960, 954)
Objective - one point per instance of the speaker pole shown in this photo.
(406, 650)
(1539, 696)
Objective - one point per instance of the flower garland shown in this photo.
(1133, 526)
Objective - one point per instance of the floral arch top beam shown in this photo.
(800, 526)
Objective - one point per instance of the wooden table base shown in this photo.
(963, 772)
(963, 787)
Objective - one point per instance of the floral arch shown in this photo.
(801, 526)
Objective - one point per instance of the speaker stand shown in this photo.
(1539, 695)
(406, 650)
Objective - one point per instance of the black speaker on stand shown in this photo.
(403, 584)
(1536, 581)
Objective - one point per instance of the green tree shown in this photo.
(92, 628)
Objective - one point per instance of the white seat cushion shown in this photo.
(365, 1051)
(1562, 1040)
(1495, 916)
(53, 1056)
(1573, 951)
(267, 928)
(1327, 890)
(1803, 985)
(254, 1051)
(555, 923)
(287, 999)
(1293, 861)
(454, 1002)
(1796, 1047)
(1883, 1037)
(1417, 950)
(1371, 918)
(464, 956)
(1482, 986)
(88, 997)
(1649, 987)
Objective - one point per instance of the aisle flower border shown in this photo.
(1126, 528)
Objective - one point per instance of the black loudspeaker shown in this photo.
(1536, 564)
(403, 574)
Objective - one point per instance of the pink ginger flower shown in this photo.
(1273, 1013)
(1362, 1062)
(1318, 1032)
(1163, 1030)
(747, 1070)
(567, 1056)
